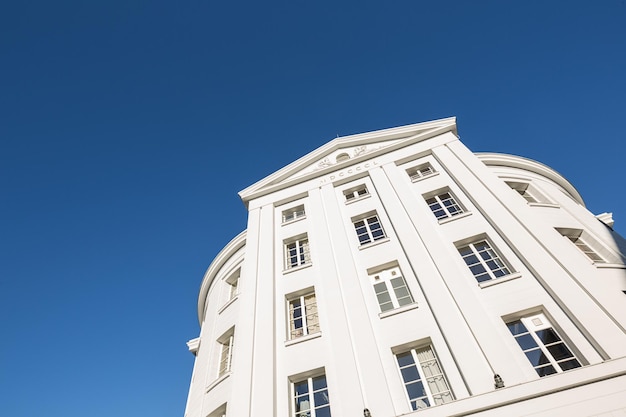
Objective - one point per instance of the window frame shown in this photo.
(225, 353)
(356, 193)
(311, 394)
(302, 254)
(424, 380)
(487, 270)
(293, 214)
(587, 245)
(417, 173)
(529, 325)
(442, 205)
(385, 276)
(367, 229)
(309, 315)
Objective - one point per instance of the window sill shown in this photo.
(424, 177)
(455, 217)
(552, 205)
(296, 268)
(297, 219)
(218, 381)
(609, 265)
(374, 243)
(229, 302)
(506, 278)
(397, 310)
(303, 338)
(353, 200)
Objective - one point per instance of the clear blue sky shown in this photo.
(128, 127)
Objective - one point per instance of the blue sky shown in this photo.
(127, 129)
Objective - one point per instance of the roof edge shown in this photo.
(514, 161)
(220, 259)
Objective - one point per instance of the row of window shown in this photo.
(422, 375)
(481, 258)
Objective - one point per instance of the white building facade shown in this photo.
(397, 273)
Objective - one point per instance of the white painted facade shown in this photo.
(264, 335)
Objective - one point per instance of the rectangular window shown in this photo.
(297, 253)
(226, 352)
(355, 193)
(444, 205)
(583, 242)
(525, 191)
(423, 378)
(391, 289)
(303, 318)
(542, 345)
(420, 172)
(368, 229)
(310, 397)
(293, 213)
(233, 285)
(483, 261)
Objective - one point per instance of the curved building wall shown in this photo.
(360, 269)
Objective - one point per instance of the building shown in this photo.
(397, 273)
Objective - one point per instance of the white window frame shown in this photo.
(371, 229)
(294, 213)
(489, 264)
(443, 204)
(529, 332)
(311, 397)
(420, 372)
(225, 359)
(420, 172)
(219, 411)
(386, 289)
(302, 315)
(233, 284)
(587, 245)
(356, 193)
(297, 252)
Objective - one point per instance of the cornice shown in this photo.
(403, 136)
(513, 161)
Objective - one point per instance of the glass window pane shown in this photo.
(559, 351)
(410, 374)
(537, 357)
(526, 341)
(319, 382)
(548, 336)
(571, 364)
(517, 327)
(546, 370)
(405, 359)
(415, 390)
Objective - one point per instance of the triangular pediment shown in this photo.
(344, 151)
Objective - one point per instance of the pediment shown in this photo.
(344, 151)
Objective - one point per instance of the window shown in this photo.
(355, 193)
(420, 172)
(303, 318)
(444, 205)
(423, 378)
(233, 285)
(524, 190)
(368, 229)
(391, 290)
(310, 397)
(583, 243)
(483, 261)
(219, 412)
(297, 252)
(542, 345)
(293, 213)
(528, 191)
(226, 352)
